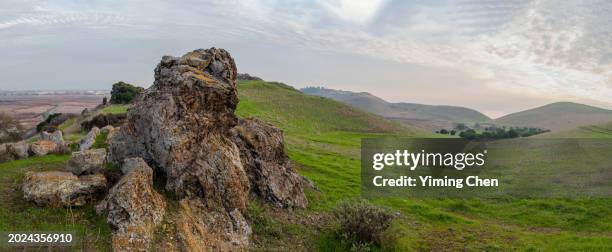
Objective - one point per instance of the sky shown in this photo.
(497, 57)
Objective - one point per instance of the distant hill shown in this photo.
(558, 116)
(430, 117)
(591, 131)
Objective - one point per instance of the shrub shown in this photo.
(123, 93)
(52, 122)
(361, 223)
(102, 120)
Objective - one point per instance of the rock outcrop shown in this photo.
(43, 147)
(134, 208)
(87, 161)
(263, 156)
(61, 189)
(89, 139)
(183, 126)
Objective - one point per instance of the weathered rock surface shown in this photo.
(56, 137)
(216, 230)
(87, 161)
(263, 156)
(17, 150)
(89, 139)
(43, 147)
(134, 209)
(130, 164)
(183, 127)
(61, 189)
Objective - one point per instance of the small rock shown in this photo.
(55, 137)
(18, 150)
(87, 161)
(61, 189)
(43, 147)
(134, 210)
(90, 139)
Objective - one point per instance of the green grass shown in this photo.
(591, 131)
(322, 138)
(115, 109)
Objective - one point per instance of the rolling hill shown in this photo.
(589, 131)
(430, 117)
(558, 116)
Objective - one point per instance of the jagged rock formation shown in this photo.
(89, 139)
(183, 126)
(61, 189)
(87, 161)
(263, 156)
(134, 207)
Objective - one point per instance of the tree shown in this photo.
(104, 100)
(123, 93)
(461, 126)
(453, 132)
(443, 131)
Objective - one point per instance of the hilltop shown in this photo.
(557, 116)
(430, 117)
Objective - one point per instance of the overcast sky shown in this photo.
(494, 56)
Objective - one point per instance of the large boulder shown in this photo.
(43, 147)
(55, 137)
(61, 189)
(183, 126)
(134, 208)
(89, 139)
(268, 167)
(87, 161)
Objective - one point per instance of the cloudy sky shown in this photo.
(494, 56)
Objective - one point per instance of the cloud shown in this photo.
(546, 47)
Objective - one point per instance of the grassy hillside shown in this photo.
(330, 158)
(558, 116)
(323, 141)
(428, 117)
(591, 131)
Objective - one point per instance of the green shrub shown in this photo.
(361, 223)
(123, 93)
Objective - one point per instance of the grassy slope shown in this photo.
(323, 139)
(558, 116)
(591, 131)
(327, 151)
